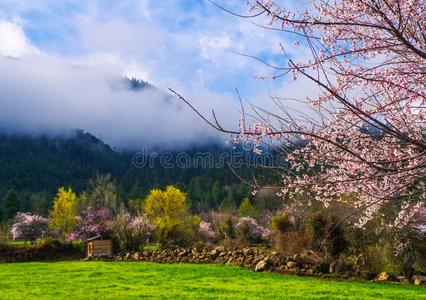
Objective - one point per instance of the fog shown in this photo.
(43, 94)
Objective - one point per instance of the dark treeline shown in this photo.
(33, 168)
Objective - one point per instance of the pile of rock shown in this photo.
(252, 258)
(259, 260)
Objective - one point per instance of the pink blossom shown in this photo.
(206, 230)
(368, 140)
(29, 227)
(252, 229)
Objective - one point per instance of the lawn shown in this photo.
(19, 243)
(133, 280)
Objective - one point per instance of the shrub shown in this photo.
(206, 231)
(377, 258)
(249, 230)
(168, 211)
(29, 227)
(91, 222)
(228, 228)
(405, 253)
(292, 242)
(247, 209)
(45, 249)
(318, 224)
(281, 223)
(345, 265)
(325, 228)
(131, 232)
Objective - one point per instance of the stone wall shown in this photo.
(250, 258)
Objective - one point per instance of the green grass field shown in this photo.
(133, 280)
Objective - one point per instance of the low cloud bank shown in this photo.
(41, 94)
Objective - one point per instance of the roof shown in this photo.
(94, 238)
(422, 228)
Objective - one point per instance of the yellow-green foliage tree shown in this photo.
(62, 215)
(168, 211)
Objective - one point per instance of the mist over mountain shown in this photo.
(44, 95)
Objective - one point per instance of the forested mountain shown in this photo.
(32, 168)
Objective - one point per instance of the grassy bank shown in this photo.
(127, 280)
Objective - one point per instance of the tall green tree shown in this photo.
(168, 211)
(102, 192)
(9, 205)
(62, 216)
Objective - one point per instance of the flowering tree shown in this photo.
(29, 227)
(367, 138)
(248, 228)
(131, 232)
(91, 222)
(206, 231)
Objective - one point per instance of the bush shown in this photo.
(325, 228)
(247, 209)
(292, 242)
(408, 241)
(29, 227)
(228, 228)
(182, 233)
(206, 232)
(281, 224)
(247, 229)
(168, 211)
(91, 222)
(46, 249)
(131, 232)
(344, 265)
(377, 258)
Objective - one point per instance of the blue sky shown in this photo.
(188, 45)
(187, 42)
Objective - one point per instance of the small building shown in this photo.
(97, 246)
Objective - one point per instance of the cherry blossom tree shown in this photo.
(91, 222)
(29, 227)
(367, 137)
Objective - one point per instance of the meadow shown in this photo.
(136, 280)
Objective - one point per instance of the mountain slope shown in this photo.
(36, 167)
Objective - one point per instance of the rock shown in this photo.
(418, 281)
(128, 256)
(332, 268)
(296, 256)
(247, 251)
(261, 266)
(385, 276)
(136, 256)
(291, 265)
(219, 248)
(321, 267)
(214, 254)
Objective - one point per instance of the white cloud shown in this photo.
(13, 42)
(214, 47)
(46, 94)
(89, 45)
